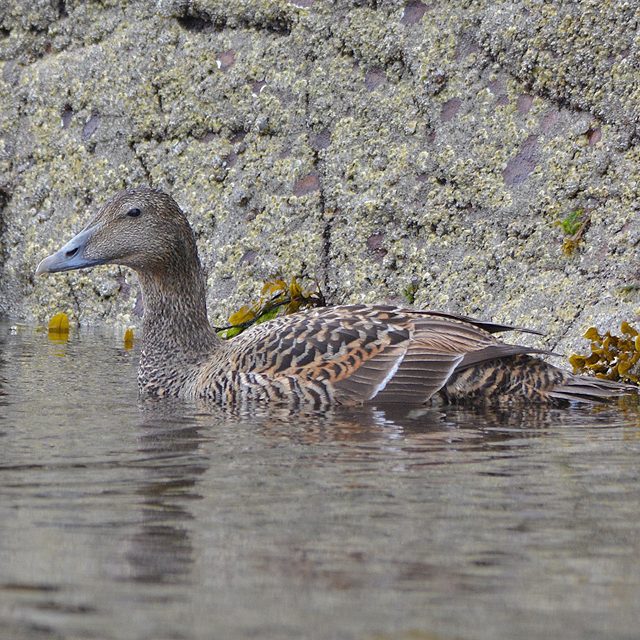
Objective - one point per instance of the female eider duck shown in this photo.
(344, 355)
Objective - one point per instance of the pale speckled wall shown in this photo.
(370, 144)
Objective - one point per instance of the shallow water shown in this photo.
(160, 519)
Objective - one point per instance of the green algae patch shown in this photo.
(572, 222)
(574, 226)
(409, 292)
(612, 357)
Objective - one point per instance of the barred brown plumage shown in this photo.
(347, 354)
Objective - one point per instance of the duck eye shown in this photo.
(134, 213)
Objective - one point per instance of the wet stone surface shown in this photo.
(463, 132)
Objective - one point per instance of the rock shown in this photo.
(372, 145)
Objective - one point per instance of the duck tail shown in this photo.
(524, 377)
(585, 389)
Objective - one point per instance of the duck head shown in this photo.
(141, 228)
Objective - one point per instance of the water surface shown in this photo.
(122, 518)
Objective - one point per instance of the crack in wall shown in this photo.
(568, 327)
(140, 159)
(5, 198)
(76, 300)
(325, 248)
(62, 9)
(200, 21)
(156, 92)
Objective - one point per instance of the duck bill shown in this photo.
(71, 256)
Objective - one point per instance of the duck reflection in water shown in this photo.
(257, 460)
(169, 452)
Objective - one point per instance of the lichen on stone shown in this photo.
(368, 144)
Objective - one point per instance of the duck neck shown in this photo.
(175, 324)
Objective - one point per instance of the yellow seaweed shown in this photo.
(59, 323)
(128, 339)
(242, 315)
(612, 357)
(277, 297)
(58, 328)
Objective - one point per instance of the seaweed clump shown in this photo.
(409, 292)
(276, 298)
(58, 328)
(612, 357)
(574, 227)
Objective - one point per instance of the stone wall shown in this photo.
(377, 146)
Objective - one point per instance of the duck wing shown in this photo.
(360, 353)
(490, 327)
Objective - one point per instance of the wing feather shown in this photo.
(485, 325)
(365, 353)
(499, 350)
(417, 382)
